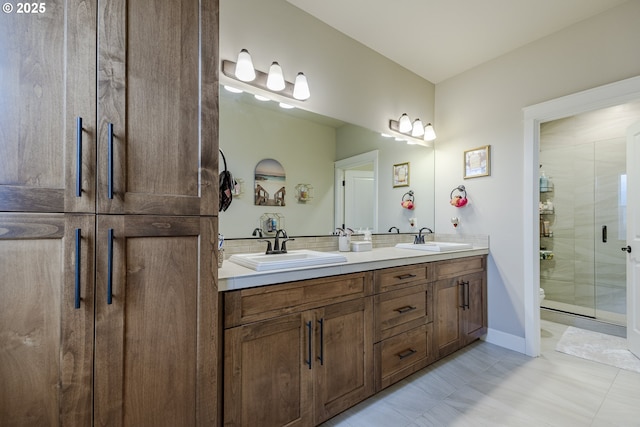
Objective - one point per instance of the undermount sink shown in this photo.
(435, 246)
(292, 259)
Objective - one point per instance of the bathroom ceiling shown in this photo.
(437, 39)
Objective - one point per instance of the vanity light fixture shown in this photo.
(417, 129)
(275, 78)
(273, 81)
(429, 133)
(244, 70)
(404, 123)
(301, 87)
(415, 132)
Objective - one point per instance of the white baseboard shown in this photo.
(505, 340)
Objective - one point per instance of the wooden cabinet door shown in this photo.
(47, 82)
(475, 313)
(157, 107)
(448, 318)
(268, 373)
(343, 369)
(46, 335)
(156, 321)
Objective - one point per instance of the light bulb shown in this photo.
(404, 124)
(418, 128)
(429, 133)
(275, 79)
(301, 88)
(244, 67)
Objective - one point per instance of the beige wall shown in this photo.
(484, 106)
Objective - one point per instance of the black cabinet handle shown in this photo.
(405, 309)
(78, 156)
(463, 292)
(468, 297)
(627, 249)
(110, 267)
(604, 234)
(406, 353)
(321, 357)
(405, 276)
(309, 331)
(110, 161)
(78, 258)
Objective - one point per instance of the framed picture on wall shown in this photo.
(477, 162)
(401, 175)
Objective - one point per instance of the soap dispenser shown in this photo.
(544, 182)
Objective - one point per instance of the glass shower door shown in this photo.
(610, 222)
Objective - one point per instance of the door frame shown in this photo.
(600, 97)
(339, 169)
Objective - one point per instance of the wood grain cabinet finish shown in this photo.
(460, 305)
(403, 316)
(131, 133)
(306, 362)
(46, 319)
(108, 109)
(155, 324)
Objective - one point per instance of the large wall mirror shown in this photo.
(308, 146)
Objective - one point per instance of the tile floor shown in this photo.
(487, 385)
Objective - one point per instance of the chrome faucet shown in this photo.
(419, 238)
(396, 228)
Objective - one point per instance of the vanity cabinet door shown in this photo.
(46, 326)
(268, 373)
(448, 297)
(474, 316)
(155, 337)
(460, 312)
(157, 107)
(344, 357)
(47, 82)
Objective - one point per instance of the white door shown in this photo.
(358, 199)
(633, 238)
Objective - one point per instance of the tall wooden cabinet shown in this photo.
(109, 109)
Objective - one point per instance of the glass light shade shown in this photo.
(286, 106)
(244, 67)
(429, 133)
(418, 128)
(301, 88)
(404, 124)
(261, 98)
(275, 79)
(386, 135)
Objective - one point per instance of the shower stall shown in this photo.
(582, 213)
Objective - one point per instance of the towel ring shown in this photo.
(458, 200)
(461, 189)
(408, 196)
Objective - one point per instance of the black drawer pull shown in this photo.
(407, 353)
(405, 309)
(405, 276)
(110, 267)
(78, 271)
(110, 161)
(309, 331)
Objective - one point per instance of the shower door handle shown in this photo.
(604, 234)
(627, 249)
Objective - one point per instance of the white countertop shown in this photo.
(233, 276)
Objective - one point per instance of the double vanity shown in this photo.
(309, 335)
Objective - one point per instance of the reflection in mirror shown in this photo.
(356, 192)
(308, 146)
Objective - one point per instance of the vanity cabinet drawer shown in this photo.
(403, 309)
(402, 355)
(255, 304)
(400, 277)
(457, 267)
